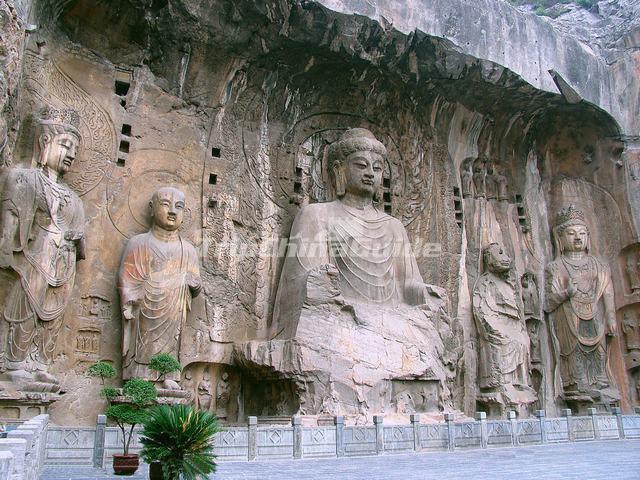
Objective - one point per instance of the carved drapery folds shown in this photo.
(580, 304)
(42, 222)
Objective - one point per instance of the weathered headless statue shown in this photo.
(42, 223)
(367, 250)
(580, 303)
(159, 275)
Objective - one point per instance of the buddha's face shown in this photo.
(363, 173)
(497, 260)
(167, 208)
(59, 151)
(574, 238)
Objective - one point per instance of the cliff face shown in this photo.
(235, 103)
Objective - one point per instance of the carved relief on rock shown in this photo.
(503, 340)
(631, 267)
(42, 221)
(159, 275)
(531, 307)
(479, 176)
(580, 302)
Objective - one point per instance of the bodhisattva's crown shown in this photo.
(569, 215)
(64, 117)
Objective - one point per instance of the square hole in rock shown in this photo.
(122, 88)
(126, 129)
(124, 146)
(213, 179)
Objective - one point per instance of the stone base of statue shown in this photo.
(602, 399)
(357, 360)
(509, 397)
(26, 398)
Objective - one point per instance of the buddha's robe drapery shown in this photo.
(156, 276)
(370, 250)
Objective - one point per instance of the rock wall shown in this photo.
(235, 103)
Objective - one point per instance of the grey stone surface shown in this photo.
(588, 460)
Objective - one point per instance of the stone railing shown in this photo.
(22, 452)
(95, 446)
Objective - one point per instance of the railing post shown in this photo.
(566, 412)
(541, 414)
(617, 411)
(98, 441)
(511, 415)
(451, 430)
(377, 421)
(415, 423)
(482, 418)
(339, 422)
(594, 421)
(296, 422)
(252, 452)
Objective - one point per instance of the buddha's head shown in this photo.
(58, 139)
(570, 232)
(356, 163)
(167, 208)
(496, 259)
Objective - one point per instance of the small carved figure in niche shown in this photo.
(479, 174)
(504, 343)
(491, 184)
(223, 394)
(633, 272)
(466, 179)
(159, 275)
(188, 385)
(362, 417)
(631, 330)
(531, 303)
(205, 393)
(404, 403)
(580, 303)
(42, 223)
(501, 181)
(368, 250)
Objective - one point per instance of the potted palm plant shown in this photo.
(178, 440)
(131, 409)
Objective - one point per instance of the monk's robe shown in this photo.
(157, 277)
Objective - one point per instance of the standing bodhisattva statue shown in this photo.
(42, 223)
(159, 275)
(580, 303)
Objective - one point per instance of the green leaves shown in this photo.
(180, 437)
(125, 414)
(164, 363)
(140, 392)
(102, 370)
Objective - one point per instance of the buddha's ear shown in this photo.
(378, 195)
(340, 179)
(44, 142)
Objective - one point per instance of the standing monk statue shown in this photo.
(580, 304)
(159, 275)
(42, 223)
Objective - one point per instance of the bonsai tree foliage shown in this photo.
(138, 395)
(102, 370)
(164, 363)
(180, 438)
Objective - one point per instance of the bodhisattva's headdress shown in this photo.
(565, 218)
(50, 122)
(351, 141)
(60, 120)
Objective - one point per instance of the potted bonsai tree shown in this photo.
(178, 441)
(131, 409)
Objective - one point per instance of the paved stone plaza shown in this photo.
(613, 460)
